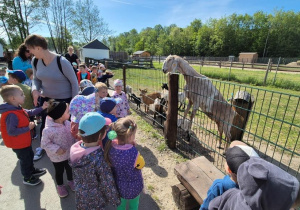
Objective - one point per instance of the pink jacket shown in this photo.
(57, 136)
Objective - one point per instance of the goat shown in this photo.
(136, 100)
(181, 96)
(202, 93)
(129, 90)
(160, 109)
(148, 99)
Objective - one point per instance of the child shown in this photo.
(83, 73)
(16, 131)
(94, 75)
(3, 81)
(126, 161)
(80, 105)
(3, 71)
(123, 107)
(84, 84)
(262, 185)
(94, 183)
(29, 74)
(16, 77)
(108, 107)
(237, 154)
(57, 141)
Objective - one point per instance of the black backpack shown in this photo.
(58, 63)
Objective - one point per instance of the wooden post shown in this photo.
(172, 114)
(230, 70)
(220, 64)
(159, 59)
(124, 78)
(276, 70)
(267, 71)
(243, 65)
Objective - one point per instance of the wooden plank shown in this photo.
(183, 199)
(197, 176)
(194, 179)
(208, 168)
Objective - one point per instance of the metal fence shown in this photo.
(273, 125)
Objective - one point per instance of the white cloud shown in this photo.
(122, 2)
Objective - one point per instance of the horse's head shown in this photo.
(170, 64)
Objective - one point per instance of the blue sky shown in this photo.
(124, 15)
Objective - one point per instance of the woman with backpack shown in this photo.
(53, 76)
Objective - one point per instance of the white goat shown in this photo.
(202, 93)
(165, 95)
(128, 90)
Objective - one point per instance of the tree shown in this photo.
(57, 14)
(14, 16)
(87, 22)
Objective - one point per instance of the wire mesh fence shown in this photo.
(272, 126)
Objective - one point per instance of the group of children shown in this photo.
(96, 73)
(96, 148)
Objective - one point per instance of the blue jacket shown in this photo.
(218, 187)
(19, 64)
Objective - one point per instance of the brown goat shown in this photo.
(148, 99)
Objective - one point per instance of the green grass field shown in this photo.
(275, 117)
(283, 80)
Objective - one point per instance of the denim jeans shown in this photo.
(25, 156)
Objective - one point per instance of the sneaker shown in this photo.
(62, 191)
(39, 171)
(71, 185)
(38, 153)
(32, 181)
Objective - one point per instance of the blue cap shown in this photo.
(87, 91)
(108, 104)
(3, 79)
(18, 73)
(92, 122)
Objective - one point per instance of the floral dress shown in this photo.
(122, 107)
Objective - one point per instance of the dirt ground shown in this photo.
(160, 161)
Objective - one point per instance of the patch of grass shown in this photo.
(151, 188)
(155, 198)
(180, 159)
(162, 147)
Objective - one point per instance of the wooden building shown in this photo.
(141, 54)
(95, 49)
(248, 57)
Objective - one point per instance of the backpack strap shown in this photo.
(59, 64)
(35, 61)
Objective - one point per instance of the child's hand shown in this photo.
(60, 151)
(31, 125)
(128, 112)
(45, 105)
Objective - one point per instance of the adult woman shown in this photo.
(53, 75)
(72, 57)
(23, 59)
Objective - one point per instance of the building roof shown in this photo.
(139, 52)
(96, 44)
(248, 53)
